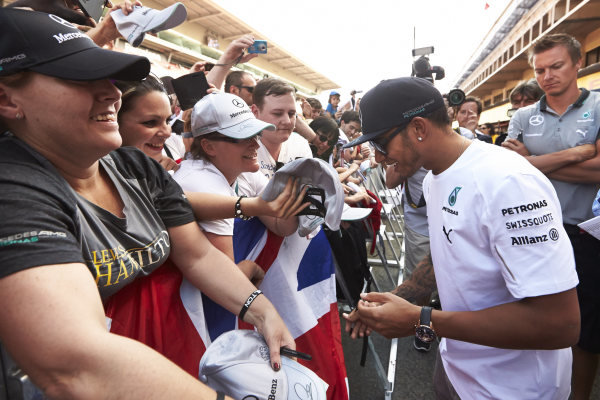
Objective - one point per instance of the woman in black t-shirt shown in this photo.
(80, 218)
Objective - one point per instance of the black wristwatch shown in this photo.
(424, 329)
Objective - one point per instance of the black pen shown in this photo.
(286, 351)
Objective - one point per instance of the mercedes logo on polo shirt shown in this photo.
(237, 103)
(61, 21)
(536, 120)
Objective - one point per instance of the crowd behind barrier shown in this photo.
(176, 214)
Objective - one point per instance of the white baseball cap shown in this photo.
(355, 213)
(134, 26)
(227, 114)
(237, 363)
(314, 173)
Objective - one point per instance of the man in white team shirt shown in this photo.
(274, 103)
(503, 263)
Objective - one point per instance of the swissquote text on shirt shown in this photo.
(497, 238)
(46, 222)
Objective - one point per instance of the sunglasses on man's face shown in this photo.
(381, 144)
(248, 88)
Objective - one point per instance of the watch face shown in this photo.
(425, 333)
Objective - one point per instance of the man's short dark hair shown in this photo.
(234, 78)
(527, 89)
(314, 103)
(548, 42)
(270, 87)
(473, 99)
(349, 116)
(439, 117)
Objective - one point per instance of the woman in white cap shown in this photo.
(143, 124)
(223, 160)
(82, 218)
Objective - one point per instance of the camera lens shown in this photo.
(456, 97)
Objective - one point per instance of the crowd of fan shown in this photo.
(222, 173)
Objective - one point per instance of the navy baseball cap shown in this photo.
(50, 45)
(394, 103)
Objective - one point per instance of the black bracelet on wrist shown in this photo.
(220, 395)
(246, 305)
(238, 209)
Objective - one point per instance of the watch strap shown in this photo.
(425, 318)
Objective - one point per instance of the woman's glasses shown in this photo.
(222, 138)
(329, 141)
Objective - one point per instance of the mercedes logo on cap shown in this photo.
(237, 103)
(536, 120)
(60, 21)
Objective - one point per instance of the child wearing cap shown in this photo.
(332, 103)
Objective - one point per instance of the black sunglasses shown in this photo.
(330, 142)
(381, 144)
(222, 138)
(248, 88)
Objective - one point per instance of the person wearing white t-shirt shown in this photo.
(223, 160)
(503, 263)
(274, 103)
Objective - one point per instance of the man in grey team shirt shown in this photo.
(558, 135)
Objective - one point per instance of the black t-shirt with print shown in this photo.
(45, 222)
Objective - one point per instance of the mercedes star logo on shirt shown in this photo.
(536, 120)
(238, 103)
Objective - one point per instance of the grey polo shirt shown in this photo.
(544, 131)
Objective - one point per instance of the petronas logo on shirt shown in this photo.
(453, 195)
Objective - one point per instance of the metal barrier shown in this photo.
(392, 218)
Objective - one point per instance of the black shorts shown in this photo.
(587, 261)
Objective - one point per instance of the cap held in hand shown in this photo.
(237, 363)
(134, 26)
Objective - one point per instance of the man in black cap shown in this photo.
(503, 264)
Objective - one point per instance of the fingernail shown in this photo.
(276, 367)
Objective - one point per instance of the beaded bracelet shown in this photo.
(238, 209)
(246, 305)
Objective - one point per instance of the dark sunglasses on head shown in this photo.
(381, 144)
(248, 88)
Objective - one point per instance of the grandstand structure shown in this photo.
(500, 62)
(207, 32)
